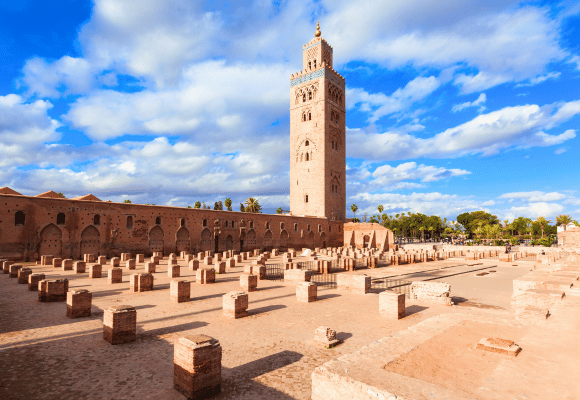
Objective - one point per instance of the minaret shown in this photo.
(317, 135)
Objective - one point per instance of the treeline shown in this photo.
(475, 227)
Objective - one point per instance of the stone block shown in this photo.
(193, 265)
(115, 275)
(297, 275)
(179, 291)
(23, 274)
(140, 258)
(220, 267)
(150, 267)
(235, 304)
(259, 271)
(56, 262)
(125, 256)
(33, 280)
(141, 282)
(52, 290)
(359, 284)
(172, 256)
(13, 270)
(78, 303)
(197, 366)
(230, 263)
(431, 291)
(102, 260)
(130, 264)
(392, 304)
(208, 260)
(171, 261)
(158, 254)
(155, 260)
(67, 264)
(95, 271)
(325, 336)
(120, 324)
(501, 346)
(204, 276)
(79, 267)
(256, 252)
(307, 292)
(115, 262)
(188, 257)
(173, 271)
(46, 260)
(249, 283)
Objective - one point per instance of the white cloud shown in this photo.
(519, 126)
(535, 210)
(488, 203)
(540, 79)
(480, 100)
(386, 175)
(533, 197)
(560, 151)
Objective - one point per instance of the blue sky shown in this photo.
(452, 106)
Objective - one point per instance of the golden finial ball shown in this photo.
(317, 33)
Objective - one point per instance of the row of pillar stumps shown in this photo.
(197, 358)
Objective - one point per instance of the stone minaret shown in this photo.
(317, 135)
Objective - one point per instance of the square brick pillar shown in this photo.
(56, 262)
(155, 260)
(23, 275)
(193, 265)
(235, 305)
(89, 258)
(130, 264)
(13, 270)
(115, 262)
(67, 264)
(197, 366)
(200, 256)
(120, 324)
(158, 254)
(173, 271)
(95, 271)
(80, 267)
(208, 260)
(259, 271)
(150, 267)
(205, 276)
(171, 261)
(230, 263)
(220, 267)
(140, 283)
(115, 275)
(179, 291)
(249, 283)
(297, 275)
(392, 304)
(78, 303)
(33, 280)
(102, 260)
(46, 260)
(359, 284)
(52, 290)
(218, 257)
(307, 292)
(140, 258)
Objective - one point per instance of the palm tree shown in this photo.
(563, 220)
(228, 204)
(380, 208)
(422, 229)
(353, 209)
(252, 205)
(543, 222)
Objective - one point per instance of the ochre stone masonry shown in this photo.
(120, 324)
(23, 275)
(50, 290)
(179, 291)
(78, 303)
(197, 366)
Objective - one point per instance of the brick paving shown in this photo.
(268, 355)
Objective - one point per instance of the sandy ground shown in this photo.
(268, 355)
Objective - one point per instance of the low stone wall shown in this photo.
(431, 291)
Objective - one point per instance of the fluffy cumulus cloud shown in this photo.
(520, 126)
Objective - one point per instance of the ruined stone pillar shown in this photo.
(220, 267)
(140, 282)
(173, 271)
(115, 262)
(392, 304)
(33, 280)
(13, 270)
(205, 276)
(249, 283)
(95, 271)
(140, 258)
(208, 260)
(23, 275)
(179, 291)
(115, 275)
(150, 267)
(102, 260)
(56, 262)
(197, 366)
(307, 292)
(120, 324)
(46, 260)
(79, 267)
(235, 305)
(130, 264)
(78, 303)
(359, 284)
(52, 290)
(193, 265)
(67, 264)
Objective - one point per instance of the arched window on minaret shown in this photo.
(309, 116)
(304, 98)
(314, 63)
(309, 95)
(309, 65)
(307, 157)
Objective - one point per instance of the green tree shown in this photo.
(353, 209)
(279, 210)
(228, 204)
(242, 208)
(380, 208)
(563, 220)
(197, 205)
(188, 206)
(252, 205)
(128, 201)
(543, 222)
(218, 205)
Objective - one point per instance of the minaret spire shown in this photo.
(317, 33)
